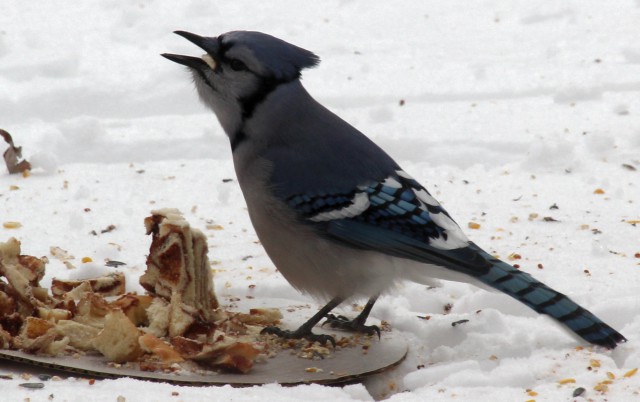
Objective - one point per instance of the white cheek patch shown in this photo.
(209, 60)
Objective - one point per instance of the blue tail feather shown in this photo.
(544, 300)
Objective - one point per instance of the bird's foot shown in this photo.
(355, 325)
(300, 333)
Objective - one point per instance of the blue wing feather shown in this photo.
(365, 236)
(394, 209)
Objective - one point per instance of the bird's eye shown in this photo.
(237, 65)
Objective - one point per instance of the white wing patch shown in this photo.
(359, 204)
(455, 237)
(391, 182)
(426, 198)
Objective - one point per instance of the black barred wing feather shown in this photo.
(398, 207)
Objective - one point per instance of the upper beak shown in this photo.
(209, 45)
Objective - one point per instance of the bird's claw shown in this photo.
(287, 334)
(342, 322)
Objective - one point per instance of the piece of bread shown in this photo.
(118, 340)
(158, 315)
(7, 303)
(23, 273)
(53, 314)
(178, 270)
(92, 310)
(113, 284)
(157, 347)
(80, 335)
(5, 339)
(135, 307)
(228, 355)
(39, 336)
(261, 316)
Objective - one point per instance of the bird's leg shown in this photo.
(305, 329)
(358, 323)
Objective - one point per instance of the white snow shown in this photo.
(500, 108)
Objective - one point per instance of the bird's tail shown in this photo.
(541, 298)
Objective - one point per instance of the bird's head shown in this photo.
(240, 69)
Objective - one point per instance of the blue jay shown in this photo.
(337, 216)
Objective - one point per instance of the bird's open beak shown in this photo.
(209, 45)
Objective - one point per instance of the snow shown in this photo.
(501, 108)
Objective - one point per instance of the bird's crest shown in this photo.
(276, 58)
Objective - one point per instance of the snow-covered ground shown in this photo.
(502, 109)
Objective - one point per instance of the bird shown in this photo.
(338, 217)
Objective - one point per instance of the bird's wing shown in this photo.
(396, 216)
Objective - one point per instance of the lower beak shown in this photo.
(193, 62)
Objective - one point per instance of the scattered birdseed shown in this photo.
(578, 391)
(12, 225)
(32, 385)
